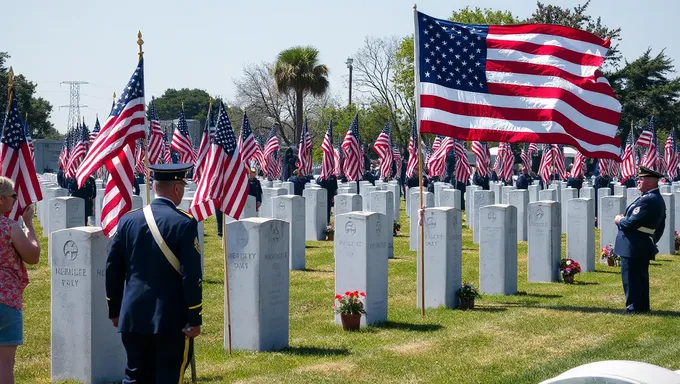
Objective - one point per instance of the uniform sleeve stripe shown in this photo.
(196, 306)
(107, 299)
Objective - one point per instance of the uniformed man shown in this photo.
(153, 282)
(640, 228)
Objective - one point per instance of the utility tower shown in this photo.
(74, 104)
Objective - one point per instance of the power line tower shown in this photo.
(74, 104)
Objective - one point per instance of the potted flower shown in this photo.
(467, 294)
(677, 241)
(396, 228)
(350, 307)
(609, 255)
(569, 268)
(330, 232)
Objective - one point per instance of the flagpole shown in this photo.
(421, 242)
(145, 142)
(10, 86)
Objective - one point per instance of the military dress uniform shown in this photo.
(639, 231)
(153, 295)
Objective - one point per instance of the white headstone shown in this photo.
(346, 203)
(289, 187)
(443, 257)
(361, 262)
(609, 207)
(665, 188)
(408, 198)
(480, 198)
(98, 205)
(676, 208)
(316, 212)
(137, 202)
(631, 195)
(666, 243)
(428, 201)
(469, 191)
(66, 212)
(568, 194)
(519, 198)
(533, 193)
(250, 209)
(544, 242)
(396, 201)
(438, 187)
(51, 193)
(602, 192)
(383, 202)
(449, 197)
(498, 249)
(291, 209)
(619, 190)
(267, 194)
(268, 184)
(547, 195)
(85, 347)
(581, 232)
(505, 190)
(497, 189)
(366, 196)
(587, 193)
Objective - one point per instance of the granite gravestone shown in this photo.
(50, 194)
(316, 212)
(383, 202)
(587, 193)
(497, 189)
(361, 262)
(666, 244)
(602, 192)
(469, 192)
(98, 205)
(250, 209)
(533, 193)
(619, 190)
(609, 206)
(581, 232)
(547, 195)
(443, 257)
(291, 209)
(665, 188)
(84, 345)
(569, 194)
(396, 201)
(289, 187)
(676, 208)
(366, 196)
(137, 202)
(498, 249)
(66, 212)
(519, 198)
(428, 201)
(346, 203)
(450, 197)
(631, 195)
(481, 198)
(505, 190)
(259, 284)
(266, 208)
(544, 242)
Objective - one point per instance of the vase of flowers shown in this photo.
(396, 228)
(568, 269)
(467, 294)
(608, 254)
(330, 232)
(677, 241)
(350, 307)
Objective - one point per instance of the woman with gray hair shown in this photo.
(17, 246)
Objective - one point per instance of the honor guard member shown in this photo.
(153, 282)
(640, 228)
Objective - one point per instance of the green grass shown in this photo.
(525, 338)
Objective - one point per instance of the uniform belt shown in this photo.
(646, 230)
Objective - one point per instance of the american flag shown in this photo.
(338, 156)
(533, 149)
(276, 165)
(248, 146)
(81, 142)
(630, 159)
(396, 155)
(558, 158)
(16, 161)
(526, 157)
(304, 162)
(156, 137)
(270, 154)
(181, 141)
(204, 148)
(481, 151)
(29, 139)
(651, 157)
(516, 83)
(95, 130)
(139, 158)
(412, 152)
(114, 148)
(328, 162)
(462, 163)
(383, 147)
(167, 152)
(579, 168)
(507, 161)
(646, 137)
(546, 163)
(436, 143)
(437, 165)
(353, 154)
(63, 156)
(224, 184)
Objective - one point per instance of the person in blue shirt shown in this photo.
(640, 228)
(153, 282)
(523, 180)
(298, 183)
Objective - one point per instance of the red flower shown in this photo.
(338, 297)
(348, 293)
(362, 294)
(355, 293)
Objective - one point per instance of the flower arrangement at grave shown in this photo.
(608, 254)
(568, 269)
(467, 294)
(677, 241)
(330, 231)
(396, 228)
(350, 307)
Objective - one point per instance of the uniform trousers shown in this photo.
(156, 358)
(635, 278)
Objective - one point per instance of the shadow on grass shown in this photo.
(315, 351)
(316, 270)
(216, 282)
(586, 283)
(409, 327)
(612, 272)
(477, 308)
(616, 311)
(540, 295)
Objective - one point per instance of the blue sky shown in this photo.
(205, 44)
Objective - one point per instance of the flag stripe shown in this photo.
(550, 34)
(546, 50)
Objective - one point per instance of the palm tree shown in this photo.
(298, 69)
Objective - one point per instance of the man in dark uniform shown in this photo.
(330, 184)
(88, 192)
(640, 228)
(153, 282)
(298, 183)
(523, 180)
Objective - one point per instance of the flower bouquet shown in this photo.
(350, 307)
(569, 268)
(677, 241)
(330, 231)
(608, 254)
(467, 294)
(396, 228)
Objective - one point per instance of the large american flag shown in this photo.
(516, 83)
(304, 162)
(17, 165)
(412, 152)
(338, 157)
(328, 162)
(204, 148)
(114, 148)
(250, 149)
(383, 147)
(353, 154)
(79, 151)
(270, 154)
(224, 184)
(671, 155)
(181, 141)
(481, 151)
(156, 137)
(629, 164)
(462, 172)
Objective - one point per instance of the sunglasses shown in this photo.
(14, 196)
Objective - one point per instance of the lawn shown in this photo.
(525, 338)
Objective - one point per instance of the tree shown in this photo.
(404, 56)
(297, 69)
(37, 108)
(577, 18)
(645, 89)
(196, 101)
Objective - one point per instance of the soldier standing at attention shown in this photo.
(153, 282)
(640, 228)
